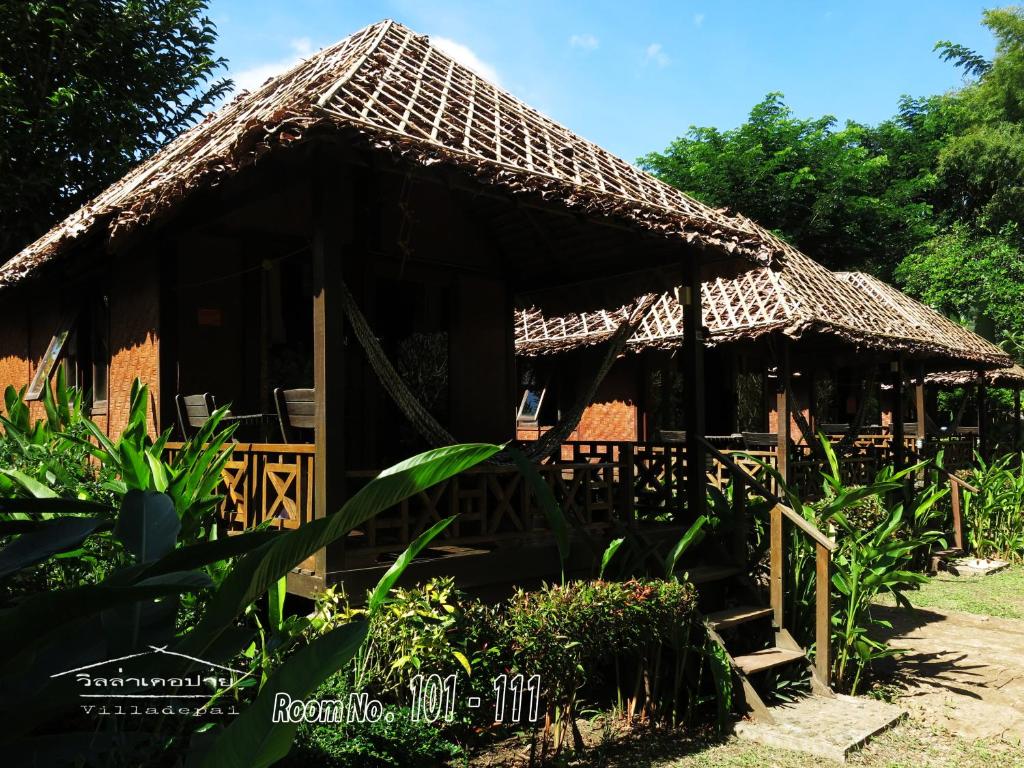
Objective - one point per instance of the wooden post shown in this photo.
(782, 410)
(693, 372)
(898, 449)
(1016, 418)
(627, 477)
(919, 405)
(332, 211)
(739, 518)
(775, 560)
(982, 417)
(823, 614)
(958, 526)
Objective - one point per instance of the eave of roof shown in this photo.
(400, 95)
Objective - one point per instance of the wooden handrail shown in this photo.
(823, 549)
(807, 527)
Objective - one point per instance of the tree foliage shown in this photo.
(87, 89)
(834, 192)
(931, 197)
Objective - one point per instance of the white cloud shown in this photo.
(586, 41)
(465, 56)
(655, 53)
(251, 78)
(698, 19)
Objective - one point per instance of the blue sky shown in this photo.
(634, 75)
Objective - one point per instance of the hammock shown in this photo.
(432, 431)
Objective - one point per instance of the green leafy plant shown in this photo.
(43, 631)
(993, 518)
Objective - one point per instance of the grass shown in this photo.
(911, 744)
(1001, 594)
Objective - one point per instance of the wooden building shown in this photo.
(826, 349)
(360, 228)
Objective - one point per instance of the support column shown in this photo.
(782, 417)
(919, 404)
(693, 373)
(1016, 418)
(332, 217)
(898, 416)
(982, 417)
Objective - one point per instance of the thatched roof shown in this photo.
(387, 87)
(794, 297)
(1001, 377)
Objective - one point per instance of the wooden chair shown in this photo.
(671, 436)
(193, 411)
(296, 409)
(760, 441)
(834, 429)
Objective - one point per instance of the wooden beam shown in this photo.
(782, 408)
(898, 449)
(1016, 418)
(331, 235)
(693, 378)
(919, 404)
(982, 417)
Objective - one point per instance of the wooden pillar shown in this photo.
(898, 450)
(919, 405)
(332, 216)
(693, 373)
(982, 417)
(1016, 418)
(782, 409)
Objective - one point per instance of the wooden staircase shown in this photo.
(747, 633)
(753, 635)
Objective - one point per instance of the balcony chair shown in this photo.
(193, 411)
(296, 411)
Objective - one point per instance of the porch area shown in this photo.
(501, 534)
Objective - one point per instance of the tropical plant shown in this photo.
(44, 632)
(993, 518)
(877, 547)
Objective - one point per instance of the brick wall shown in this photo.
(134, 338)
(613, 414)
(15, 368)
(30, 315)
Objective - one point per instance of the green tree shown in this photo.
(973, 277)
(87, 89)
(852, 197)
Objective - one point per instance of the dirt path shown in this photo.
(962, 672)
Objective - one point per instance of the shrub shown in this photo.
(394, 741)
(994, 518)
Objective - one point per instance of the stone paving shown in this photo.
(961, 671)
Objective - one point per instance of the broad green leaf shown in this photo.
(609, 553)
(692, 536)
(394, 573)
(253, 574)
(147, 525)
(253, 740)
(33, 486)
(54, 536)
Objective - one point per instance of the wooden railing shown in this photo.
(824, 546)
(956, 487)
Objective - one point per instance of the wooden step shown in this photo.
(759, 661)
(705, 574)
(731, 617)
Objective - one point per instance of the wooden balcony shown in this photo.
(600, 486)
